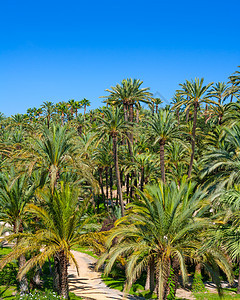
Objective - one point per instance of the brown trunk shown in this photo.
(187, 115)
(131, 120)
(64, 275)
(106, 178)
(162, 143)
(57, 275)
(119, 189)
(101, 184)
(156, 108)
(150, 276)
(137, 115)
(125, 112)
(111, 183)
(193, 138)
(127, 187)
(62, 117)
(23, 283)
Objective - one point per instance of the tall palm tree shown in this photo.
(84, 103)
(48, 110)
(128, 93)
(196, 93)
(62, 109)
(62, 225)
(113, 125)
(15, 193)
(163, 128)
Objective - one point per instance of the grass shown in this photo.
(8, 282)
(85, 250)
(227, 294)
(7, 292)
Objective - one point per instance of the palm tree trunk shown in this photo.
(106, 178)
(193, 138)
(23, 283)
(131, 120)
(187, 115)
(111, 184)
(127, 187)
(56, 275)
(101, 184)
(150, 276)
(137, 115)
(162, 143)
(64, 275)
(119, 189)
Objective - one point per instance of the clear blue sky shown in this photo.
(59, 50)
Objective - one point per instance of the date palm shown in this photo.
(162, 127)
(62, 109)
(223, 160)
(195, 93)
(51, 153)
(15, 194)
(84, 103)
(48, 110)
(161, 229)
(127, 94)
(62, 225)
(113, 125)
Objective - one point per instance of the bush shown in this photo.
(198, 285)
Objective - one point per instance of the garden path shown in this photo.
(89, 284)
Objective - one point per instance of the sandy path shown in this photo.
(89, 284)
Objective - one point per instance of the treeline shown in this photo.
(153, 188)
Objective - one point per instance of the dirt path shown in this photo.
(89, 284)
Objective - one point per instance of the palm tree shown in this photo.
(161, 229)
(195, 93)
(52, 153)
(15, 193)
(113, 126)
(163, 128)
(157, 102)
(62, 225)
(223, 160)
(128, 93)
(62, 108)
(48, 109)
(84, 102)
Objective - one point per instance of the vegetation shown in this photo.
(152, 189)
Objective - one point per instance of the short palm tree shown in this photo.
(16, 193)
(223, 159)
(62, 224)
(160, 229)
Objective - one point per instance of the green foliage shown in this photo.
(198, 285)
(171, 285)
